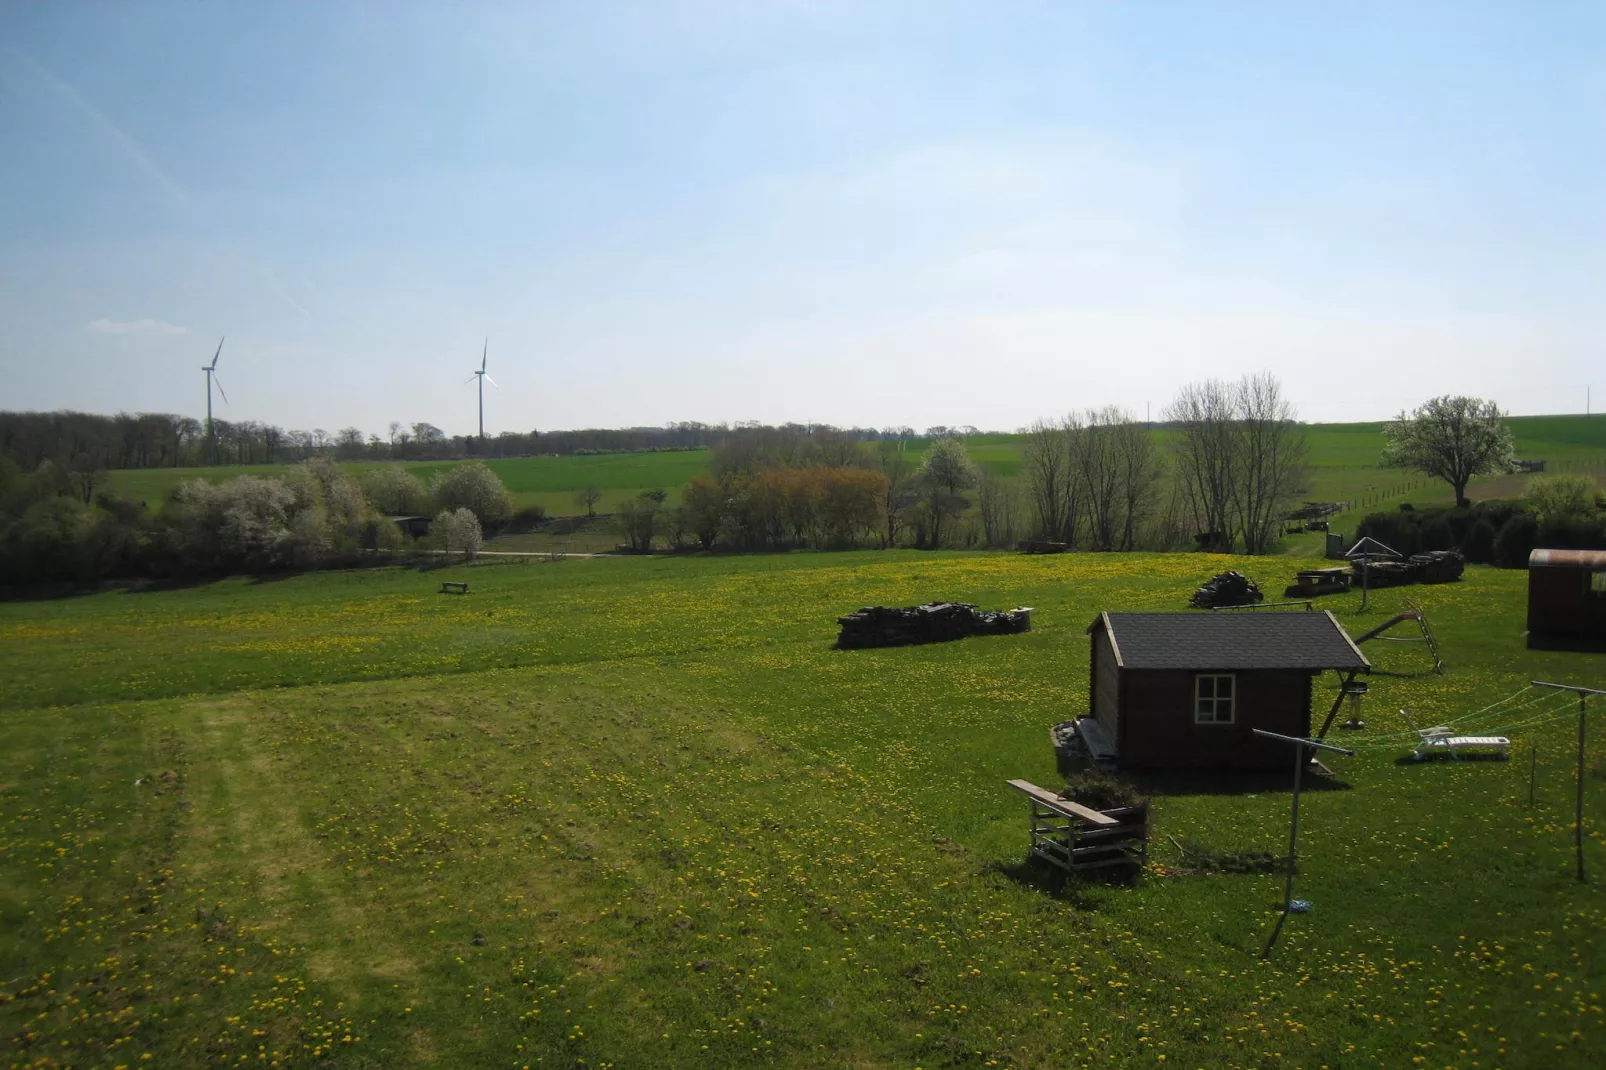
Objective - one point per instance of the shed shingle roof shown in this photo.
(1246, 640)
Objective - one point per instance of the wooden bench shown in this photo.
(452, 587)
(1066, 807)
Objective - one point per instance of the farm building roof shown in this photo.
(1245, 640)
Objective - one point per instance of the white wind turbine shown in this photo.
(211, 380)
(483, 376)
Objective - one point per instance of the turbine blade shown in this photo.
(219, 352)
(493, 382)
(471, 378)
(484, 353)
(220, 389)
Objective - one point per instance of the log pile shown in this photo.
(1438, 566)
(934, 622)
(1226, 589)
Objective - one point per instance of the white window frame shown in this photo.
(1215, 702)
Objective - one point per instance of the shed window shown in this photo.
(1213, 698)
(1597, 581)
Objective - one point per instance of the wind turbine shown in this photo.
(482, 375)
(209, 369)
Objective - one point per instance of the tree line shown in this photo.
(1228, 466)
(315, 515)
(79, 441)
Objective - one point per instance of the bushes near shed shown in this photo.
(1474, 530)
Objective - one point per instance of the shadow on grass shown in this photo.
(1435, 759)
(1223, 782)
(1050, 880)
(1413, 675)
(1574, 643)
(60, 591)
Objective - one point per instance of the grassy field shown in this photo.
(639, 812)
(1343, 468)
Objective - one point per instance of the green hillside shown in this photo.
(1343, 466)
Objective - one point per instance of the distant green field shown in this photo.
(1343, 466)
(640, 813)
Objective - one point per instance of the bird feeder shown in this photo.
(1354, 692)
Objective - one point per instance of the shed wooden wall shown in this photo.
(1104, 700)
(1158, 730)
(1560, 603)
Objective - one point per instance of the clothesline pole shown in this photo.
(1583, 694)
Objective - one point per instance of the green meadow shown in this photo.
(639, 812)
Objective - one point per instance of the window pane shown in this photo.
(1207, 687)
(1224, 687)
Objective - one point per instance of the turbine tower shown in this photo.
(483, 376)
(210, 369)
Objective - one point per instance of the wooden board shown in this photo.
(1063, 806)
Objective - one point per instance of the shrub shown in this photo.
(473, 486)
(1478, 546)
(526, 519)
(1570, 532)
(1516, 541)
(394, 491)
(638, 519)
(458, 530)
(1100, 790)
(50, 540)
(1435, 534)
(1398, 531)
(1560, 498)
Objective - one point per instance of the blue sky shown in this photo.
(854, 213)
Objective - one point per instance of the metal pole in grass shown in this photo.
(1300, 758)
(1583, 694)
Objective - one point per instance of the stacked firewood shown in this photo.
(1226, 589)
(934, 622)
(1438, 566)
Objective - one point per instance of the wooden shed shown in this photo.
(1567, 597)
(414, 526)
(1186, 690)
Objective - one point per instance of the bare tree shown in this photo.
(1073, 494)
(1204, 447)
(1270, 459)
(1099, 474)
(898, 494)
(996, 497)
(1140, 470)
(589, 496)
(1118, 472)
(1044, 459)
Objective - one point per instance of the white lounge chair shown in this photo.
(1441, 738)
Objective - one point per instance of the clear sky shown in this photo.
(854, 212)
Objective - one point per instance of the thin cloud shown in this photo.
(131, 148)
(144, 326)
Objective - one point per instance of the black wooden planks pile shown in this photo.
(934, 622)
